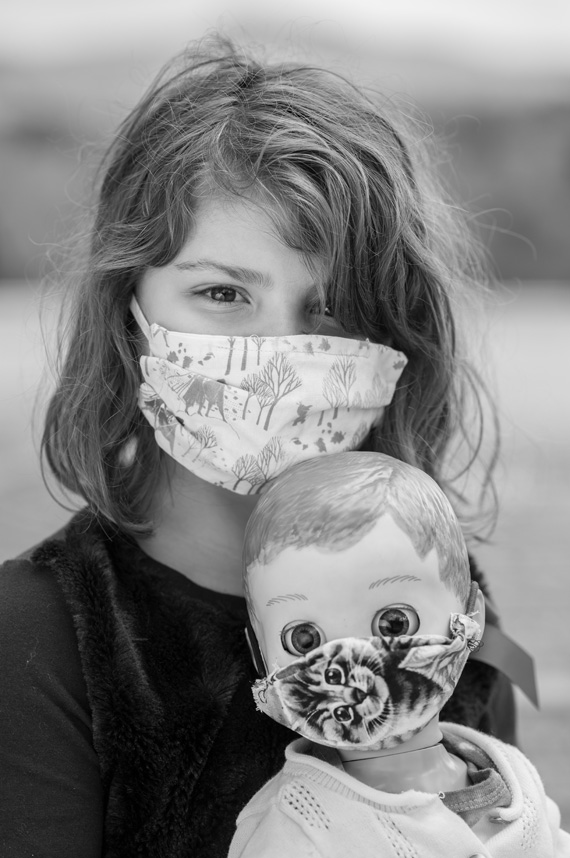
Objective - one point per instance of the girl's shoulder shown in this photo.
(46, 742)
(36, 626)
(32, 604)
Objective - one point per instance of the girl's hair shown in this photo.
(334, 503)
(342, 180)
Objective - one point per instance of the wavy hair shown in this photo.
(344, 180)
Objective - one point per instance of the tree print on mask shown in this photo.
(231, 343)
(257, 470)
(338, 383)
(249, 385)
(204, 438)
(276, 380)
(244, 355)
(163, 420)
(377, 391)
(258, 344)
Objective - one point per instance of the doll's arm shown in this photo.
(560, 838)
(270, 834)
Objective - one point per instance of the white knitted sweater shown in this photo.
(312, 808)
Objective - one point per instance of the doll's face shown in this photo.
(380, 586)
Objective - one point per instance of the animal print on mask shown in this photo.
(368, 693)
(359, 693)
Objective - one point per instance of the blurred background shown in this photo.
(492, 75)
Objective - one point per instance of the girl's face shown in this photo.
(234, 276)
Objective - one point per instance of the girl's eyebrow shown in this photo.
(236, 272)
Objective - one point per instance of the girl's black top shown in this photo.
(127, 723)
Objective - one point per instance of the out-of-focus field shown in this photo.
(528, 339)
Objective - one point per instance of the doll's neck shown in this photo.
(422, 763)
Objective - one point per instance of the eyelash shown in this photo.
(206, 293)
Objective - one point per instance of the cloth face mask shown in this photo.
(237, 411)
(368, 693)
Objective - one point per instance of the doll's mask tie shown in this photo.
(368, 693)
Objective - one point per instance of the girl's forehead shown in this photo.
(263, 205)
(251, 232)
(239, 231)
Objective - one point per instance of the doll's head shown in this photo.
(357, 582)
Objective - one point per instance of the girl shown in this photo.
(269, 279)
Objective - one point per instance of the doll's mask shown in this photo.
(368, 693)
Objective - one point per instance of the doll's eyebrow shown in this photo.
(235, 272)
(395, 578)
(290, 597)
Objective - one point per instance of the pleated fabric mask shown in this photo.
(237, 411)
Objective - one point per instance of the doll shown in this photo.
(362, 616)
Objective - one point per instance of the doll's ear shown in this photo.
(479, 610)
(476, 605)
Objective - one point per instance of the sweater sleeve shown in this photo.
(271, 834)
(264, 831)
(51, 801)
(560, 838)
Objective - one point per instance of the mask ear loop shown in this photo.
(255, 651)
(473, 645)
(139, 317)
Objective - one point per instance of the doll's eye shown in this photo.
(395, 621)
(299, 638)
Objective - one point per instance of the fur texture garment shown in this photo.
(180, 744)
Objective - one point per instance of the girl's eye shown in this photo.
(326, 311)
(223, 294)
(299, 638)
(324, 324)
(395, 621)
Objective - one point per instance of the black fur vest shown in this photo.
(180, 744)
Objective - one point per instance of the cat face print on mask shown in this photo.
(368, 693)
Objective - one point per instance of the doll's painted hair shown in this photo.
(334, 501)
(342, 178)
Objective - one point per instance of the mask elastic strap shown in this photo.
(139, 317)
(472, 600)
(255, 652)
